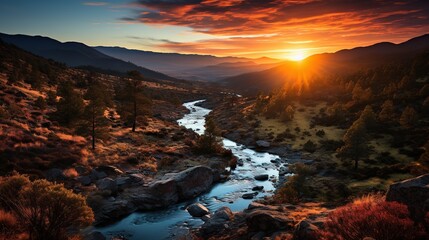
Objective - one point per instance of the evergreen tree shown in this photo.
(98, 101)
(355, 143)
(368, 117)
(387, 112)
(70, 106)
(132, 102)
(408, 117)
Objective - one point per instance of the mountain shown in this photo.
(190, 66)
(75, 54)
(322, 65)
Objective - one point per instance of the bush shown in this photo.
(44, 209)
(310, 146)
(371, 216)
(8, 226)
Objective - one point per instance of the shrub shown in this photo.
(295, 186)
(310, 146)
(371, 216)
(8, 225)
(43, 208)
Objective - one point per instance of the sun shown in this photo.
(297, 55)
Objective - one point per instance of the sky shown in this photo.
(287, 29)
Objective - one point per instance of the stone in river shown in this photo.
(263, 143)
(261, 177)
(197, 210)
(249, 195)
(257, 188)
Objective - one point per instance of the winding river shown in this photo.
(175, 220)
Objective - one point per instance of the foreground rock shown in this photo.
(412, 192)
(172, 188)
(218, 222)
(197, 210)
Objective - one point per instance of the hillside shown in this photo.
(190, 66)
(330, 64)
(75, 54)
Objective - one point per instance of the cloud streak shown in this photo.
(289, 23)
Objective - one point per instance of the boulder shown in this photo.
(249, 195)
(165, 190)
(107, 184)
(305, 230)
(123, 182)
(412, 192)
(193, 181)
(263, 144)
(95, 175)
(257, 188)
(109, 170)
(268, 220)
(218, 222)
(85, 180)
(112, 211)
(197, 210)
(261, 177)
(55, 174)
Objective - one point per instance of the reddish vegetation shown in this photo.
(371, 216)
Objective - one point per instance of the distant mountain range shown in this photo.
(341, 62)
(75, 54)
(191, 66)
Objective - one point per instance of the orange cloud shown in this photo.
(321, 25)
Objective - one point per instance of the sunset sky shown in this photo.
(251, 28)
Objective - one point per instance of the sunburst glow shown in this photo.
(297, 55)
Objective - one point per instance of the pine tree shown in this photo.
(70, 106)
(133, 103)
(368, 117)
(408, 117)
(387, 112)
(355, 143)
(98, 100)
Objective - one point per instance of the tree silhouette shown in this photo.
(408, 117)
(355, 143)
(99, 100)
(133, 103)
(387, 112)
(70, 106)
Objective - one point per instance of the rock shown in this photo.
(107, 184)
(258, 236)
(257, 188)
(165, 190)
(95, 236)
(412, 192)
(109, 170)
(112, 211)
(305, 230)
(81, 170)
(123, 182)
(95, 175)
(281, 236)
(205, 218)
(85, 180)
(263, 144)
(268, 220)
(217, 222)
(55, 174)
(197, 210)
(249, 195)
(136, 177)
(261, 177)
(193, 181)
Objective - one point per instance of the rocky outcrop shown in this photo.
(412, 192)
(181, 186)
(217, 222)
(197, 210)
(268, 220)
(172, 188)
(305, 230)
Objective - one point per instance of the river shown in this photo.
(168, 223)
